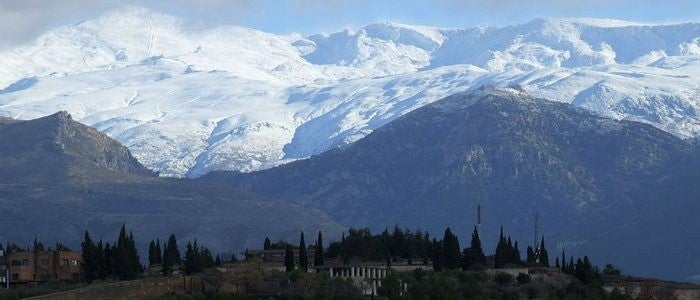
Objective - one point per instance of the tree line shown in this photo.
(445, 254)
(120, 259)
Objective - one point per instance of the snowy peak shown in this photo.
(188, 100)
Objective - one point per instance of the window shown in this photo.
(44, 262)
(64, 262)
(74, 262)
(16, 262)
(15, 277)
(25, 262)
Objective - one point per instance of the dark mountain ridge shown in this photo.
(589, 178)
(59, 177)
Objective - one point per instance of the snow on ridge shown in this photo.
(187, 101)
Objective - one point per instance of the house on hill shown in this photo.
(28, 267)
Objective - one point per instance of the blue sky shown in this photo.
(23, 20)
(310, 16)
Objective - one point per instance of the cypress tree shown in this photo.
(217, 261)
(108, 262)
(171, 254)
(102, 262)
(318, 251)
(572, 267)
(121, 264)
(268, 244)
(516, 256)
(303, 258)
(438, 255)
(90, 265)
(157, 252)
(288, 258)
(207, 260)
(134, 261)
(531, 259)
(511, 254)
(473, 255)
(151, 253)
(563, 261)
(544, 256)
(557, 263)
(451, 250)
(501, 255)
(191, 259)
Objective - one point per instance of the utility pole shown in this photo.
(537, 228)
(478, 219)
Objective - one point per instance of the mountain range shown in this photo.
(386, 124)
(593, 181)
(59, 178)
(190, 99)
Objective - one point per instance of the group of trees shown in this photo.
(446, 253)
(538, 256)
(400, 244)
(196, 259)
(303, 260)
(507, 252)
(582, 269)
(38, 246)
(119, 260)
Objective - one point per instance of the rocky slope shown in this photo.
(59, 177)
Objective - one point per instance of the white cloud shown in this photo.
(22, 20)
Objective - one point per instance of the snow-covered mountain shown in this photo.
(189, 100)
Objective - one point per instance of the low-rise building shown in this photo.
(23, 267)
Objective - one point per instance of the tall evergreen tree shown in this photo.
(207, 260)
(303, 258)
(153, 254)
(319, 251)
(543, 255)
(133, 261)
(571, 265)
(531, 259)
(268, 244)
(192, 261)
(90, 266)
(502, 254)
(451, 250)
(158, 253)
(563, 261)
(107, 262)
(438, 255)
(288, 258)
(516, 256)
(474, 255)
(171, 254)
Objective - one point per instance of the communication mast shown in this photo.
(478, 219)
(537, 232)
